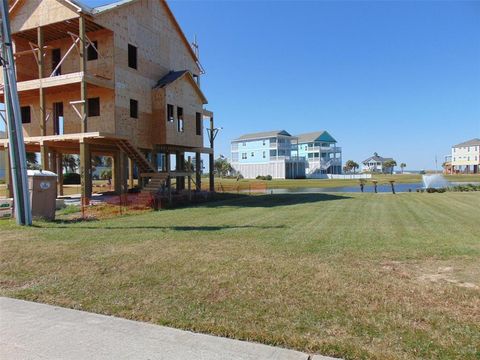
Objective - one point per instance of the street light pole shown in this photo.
(212, 134)
(16, 146)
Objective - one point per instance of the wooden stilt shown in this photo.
(59, 174)
(198, 174)
(130, 173)
(85, 172)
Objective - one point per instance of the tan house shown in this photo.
(465, 157)
(119, 80)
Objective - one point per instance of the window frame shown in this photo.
(180, 120)
(93, 103)
(22, 110)
(198, 124)
(170, 115)
(134, 109)
(132, 56)
(92, 54)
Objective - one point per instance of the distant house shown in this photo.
(267, 153)
(375, 164)
(321, 152)
(466, 157)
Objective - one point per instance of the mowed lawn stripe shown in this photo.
(373, 276)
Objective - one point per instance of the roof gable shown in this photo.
(30, 14)
(315, 136)
(118, 4)
(174, 76)
(377, 159)
(472, 142)
(263, 135)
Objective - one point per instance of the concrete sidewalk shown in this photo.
(37, 331)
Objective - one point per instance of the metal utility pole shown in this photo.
(16, 147)
(212, 134)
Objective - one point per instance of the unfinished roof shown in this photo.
(78, 7)
(263, 135)
(114, 5)
(377, 158)
(170, 78)
(315, 136)
(473, 142)
(173, 76)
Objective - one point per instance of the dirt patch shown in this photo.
(466, 275)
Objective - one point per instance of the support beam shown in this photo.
(117, 186)
(167, 161)
(41, 92)
(189, 179)
(154, 159)
(123, 159)
(44, 157)
(198, 175)
(53, 161)
(83, 68)
(130, 173)
(180, 167)
(59, 173)
(120, 172)
(85, 171)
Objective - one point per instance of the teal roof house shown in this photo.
(267, 153)
(321, 152)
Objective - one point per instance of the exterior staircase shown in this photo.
(143, 165)
(157, 180)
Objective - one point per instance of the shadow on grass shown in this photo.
(65, 225)
(270, 200)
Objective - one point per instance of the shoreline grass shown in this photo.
(358, 276)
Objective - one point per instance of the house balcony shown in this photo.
(327, 149)
(287, 158)
(63, 83)
(56, 60)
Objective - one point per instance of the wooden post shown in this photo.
(130, 173)
(44, 156)
(182, 168)
(198, 175)
(154, 158)
(116, 174)
(189, 179)
(85, 171)
(178, 168)
(167, 161)
(83, 69)
(53, 160)
(59, 174)
(41, 92)
(169, 184)
(124, 172)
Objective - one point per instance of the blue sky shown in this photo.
(398, 78)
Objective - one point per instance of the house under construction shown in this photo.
(119, 80)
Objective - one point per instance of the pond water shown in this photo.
(381, 188)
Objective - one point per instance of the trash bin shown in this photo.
(43, 193)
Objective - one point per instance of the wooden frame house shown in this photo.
(119, 80)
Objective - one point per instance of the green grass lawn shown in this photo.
(358, 276)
